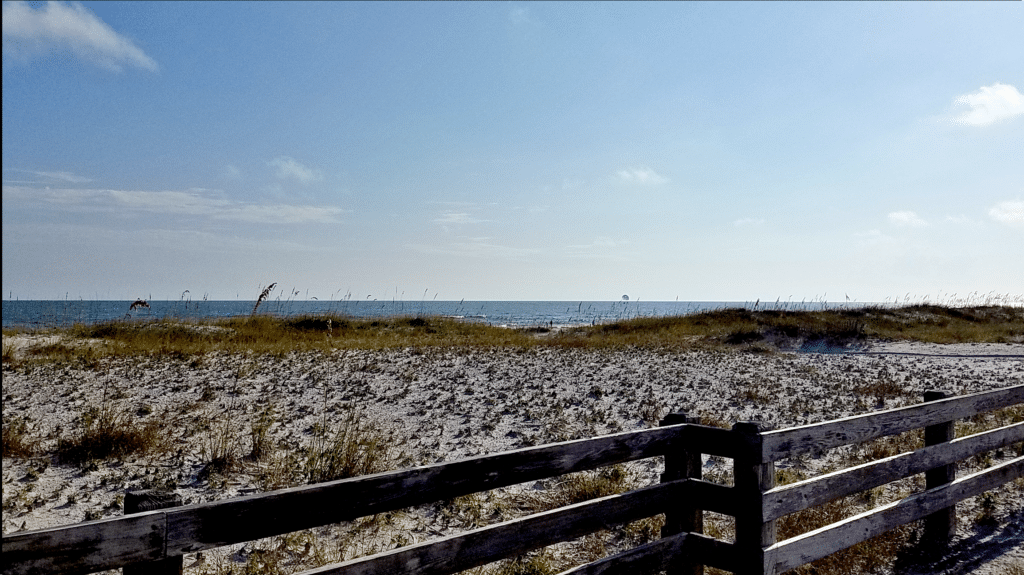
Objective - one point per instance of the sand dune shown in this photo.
(448, 404)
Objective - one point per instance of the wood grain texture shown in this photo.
(141, 500)
(119, 541)
(682, 515)
(822, 489)
(823, 542)
(252, 517)
(481, 546)
(821, 436)
(752, 478)
(717, 441)
(939, 527)
(86, 547)
(658, 555)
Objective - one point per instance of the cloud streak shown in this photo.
(749, 222)
(640, 176)
(602, 248)
(990, 104)
(56, 176)
(57, 26)
(289, 168)
(476, 249)
(457, 218)
(186, 203)
(906, 219)
(1011, 212)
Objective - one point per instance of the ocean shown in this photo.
(59, 313)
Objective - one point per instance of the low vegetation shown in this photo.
(836, 328)
(106, 433)
(764, 330)
(345, 442)
(17, 440)
(355, 446)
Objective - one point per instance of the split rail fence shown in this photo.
(156, 540)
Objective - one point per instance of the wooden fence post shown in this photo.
(139, 500)
(751, 478)
(682, 462)
(939, 527)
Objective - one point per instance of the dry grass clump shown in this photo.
(219, 445)
(259, 430)
(865, 557)
(538, 563)
(8, 353)
(17, 441)
(583, 486)
(355, 447)
(107, 433)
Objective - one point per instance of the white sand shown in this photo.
(451, 404)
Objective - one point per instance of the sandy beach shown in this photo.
(447, 404)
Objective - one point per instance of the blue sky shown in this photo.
(724, 151)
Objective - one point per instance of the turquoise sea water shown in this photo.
(52, 313)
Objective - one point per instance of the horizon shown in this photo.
(513, 151)
(940, 298)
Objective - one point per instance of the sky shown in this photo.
(513, 151)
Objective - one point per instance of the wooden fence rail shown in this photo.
(152, 536)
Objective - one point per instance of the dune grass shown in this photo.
(17, 441)
(106, 433)
(834, 327)
(735, 328)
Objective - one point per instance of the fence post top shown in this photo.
(677, 417)
(749, 427)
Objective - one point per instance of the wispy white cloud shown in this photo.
(195, 202)
(602, 247)
(642, 176)
(600, 243)
(958, 220)
(476, 249)
(749, 222)
(906, 219)
(158, 238)
(48, 177)
(57, 26)
(458, 218)
(990, 104)
(1011, 212)
(232, 172)
(289, 168)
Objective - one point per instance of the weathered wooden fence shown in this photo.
(157, 539)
